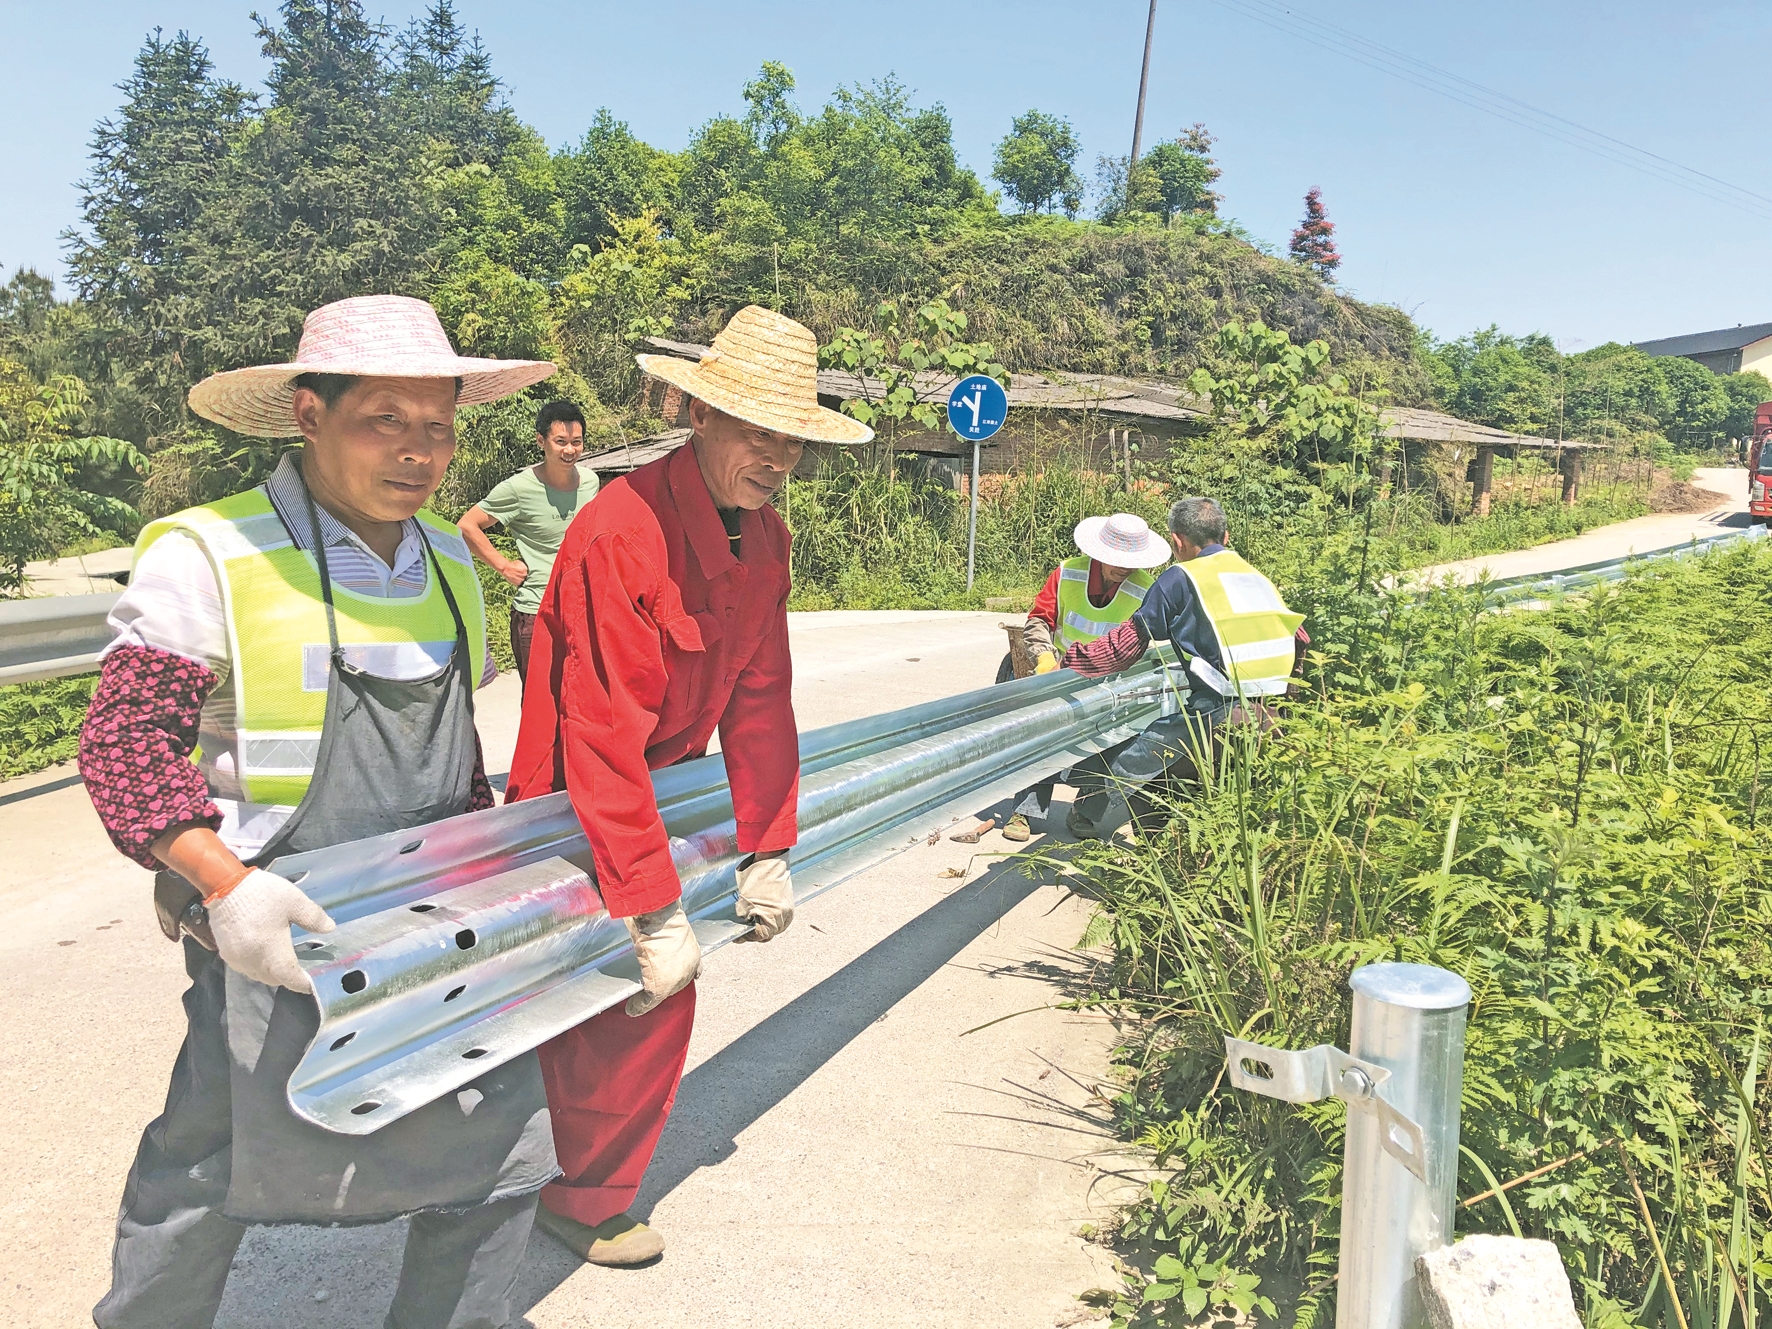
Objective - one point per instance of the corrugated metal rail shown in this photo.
(464, 943)
(52, 637)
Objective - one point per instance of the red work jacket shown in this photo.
(650, 635)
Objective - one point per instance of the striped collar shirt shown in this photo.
(352, 563)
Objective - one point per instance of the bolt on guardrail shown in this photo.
(1401, 1081)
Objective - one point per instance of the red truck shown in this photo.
(1759, 464)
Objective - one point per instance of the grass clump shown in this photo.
(1561, 806)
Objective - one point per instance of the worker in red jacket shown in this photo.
(665, 619)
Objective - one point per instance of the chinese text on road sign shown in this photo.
(977, 407)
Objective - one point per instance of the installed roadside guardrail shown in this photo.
(1531, 586)
(52, 637)
(55, 636)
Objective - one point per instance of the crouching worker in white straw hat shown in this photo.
(293, 667)
(1085, 597)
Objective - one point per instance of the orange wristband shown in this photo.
(208, 900)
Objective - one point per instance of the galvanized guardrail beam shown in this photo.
(52, 637)
(465, 943)
(55, 636)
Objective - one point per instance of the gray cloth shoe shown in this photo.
(615, 1242)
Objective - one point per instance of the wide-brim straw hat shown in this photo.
(1122, 541)
(762, 369)
(370, 336)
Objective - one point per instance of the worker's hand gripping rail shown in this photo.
(462, 944)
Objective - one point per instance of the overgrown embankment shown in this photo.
(1562, 806)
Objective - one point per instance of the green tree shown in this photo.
(138, 262)
(1284, 395)
(46, 498)
(904, 374)
(1614, 389)
(1494, 378)
(1700, 403)
(323, 199)
(1174, 178)
(1037, 163)
(612, 174)
(633, 287)
(444, 83)
(1745, 392)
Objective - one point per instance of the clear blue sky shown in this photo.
(1462, 219)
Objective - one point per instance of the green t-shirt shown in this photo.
(536, 518)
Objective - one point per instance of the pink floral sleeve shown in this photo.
(136, 744)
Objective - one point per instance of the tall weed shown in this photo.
(1561, 806)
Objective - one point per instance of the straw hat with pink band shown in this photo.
(762, 369)
(1122, 541)
(367, 336)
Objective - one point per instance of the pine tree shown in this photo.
(325, 199)
(1313, 243)
(448, 91)
(156, 167)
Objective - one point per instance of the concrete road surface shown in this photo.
(841, 1154)
(1640, 535)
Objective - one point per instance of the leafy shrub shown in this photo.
(1561, 806)
(40, 723)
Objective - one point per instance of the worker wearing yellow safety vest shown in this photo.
(293, 668)
(1236, 640)
(1085, 597)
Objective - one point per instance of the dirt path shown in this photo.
(1637, 536)
(840, 1153)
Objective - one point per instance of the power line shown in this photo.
(1467, 92)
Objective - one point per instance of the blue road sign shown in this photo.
(977, 407)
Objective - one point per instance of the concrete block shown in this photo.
(1487, 1282)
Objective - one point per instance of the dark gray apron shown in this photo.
(393, 755)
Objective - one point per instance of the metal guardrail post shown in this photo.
(1402, 1082)
(1409, 1019)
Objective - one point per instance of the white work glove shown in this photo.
(669, 955)
(765, 897)
(251, 929)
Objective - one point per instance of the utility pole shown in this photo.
(1144, 77)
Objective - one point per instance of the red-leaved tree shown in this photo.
(1313, 243)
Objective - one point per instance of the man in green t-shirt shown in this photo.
(535, 505)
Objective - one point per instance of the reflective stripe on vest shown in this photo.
(1078, 620)
(277, 639)
(1254, 627)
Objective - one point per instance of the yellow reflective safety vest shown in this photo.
(1078, 620)
(277, 638)
(1254, 627)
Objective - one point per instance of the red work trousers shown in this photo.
(611, 1082)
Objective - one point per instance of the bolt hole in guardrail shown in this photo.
(474, 1054)
(1259, 1069)
(408, 848)
(355, 981)
(310, 945)
(364, 1108)
(338, 1043)
(465, 939)
(421, 908)
(453, 993)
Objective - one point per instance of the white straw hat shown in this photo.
(371, 336)
(1122, 541)
(763, 369)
